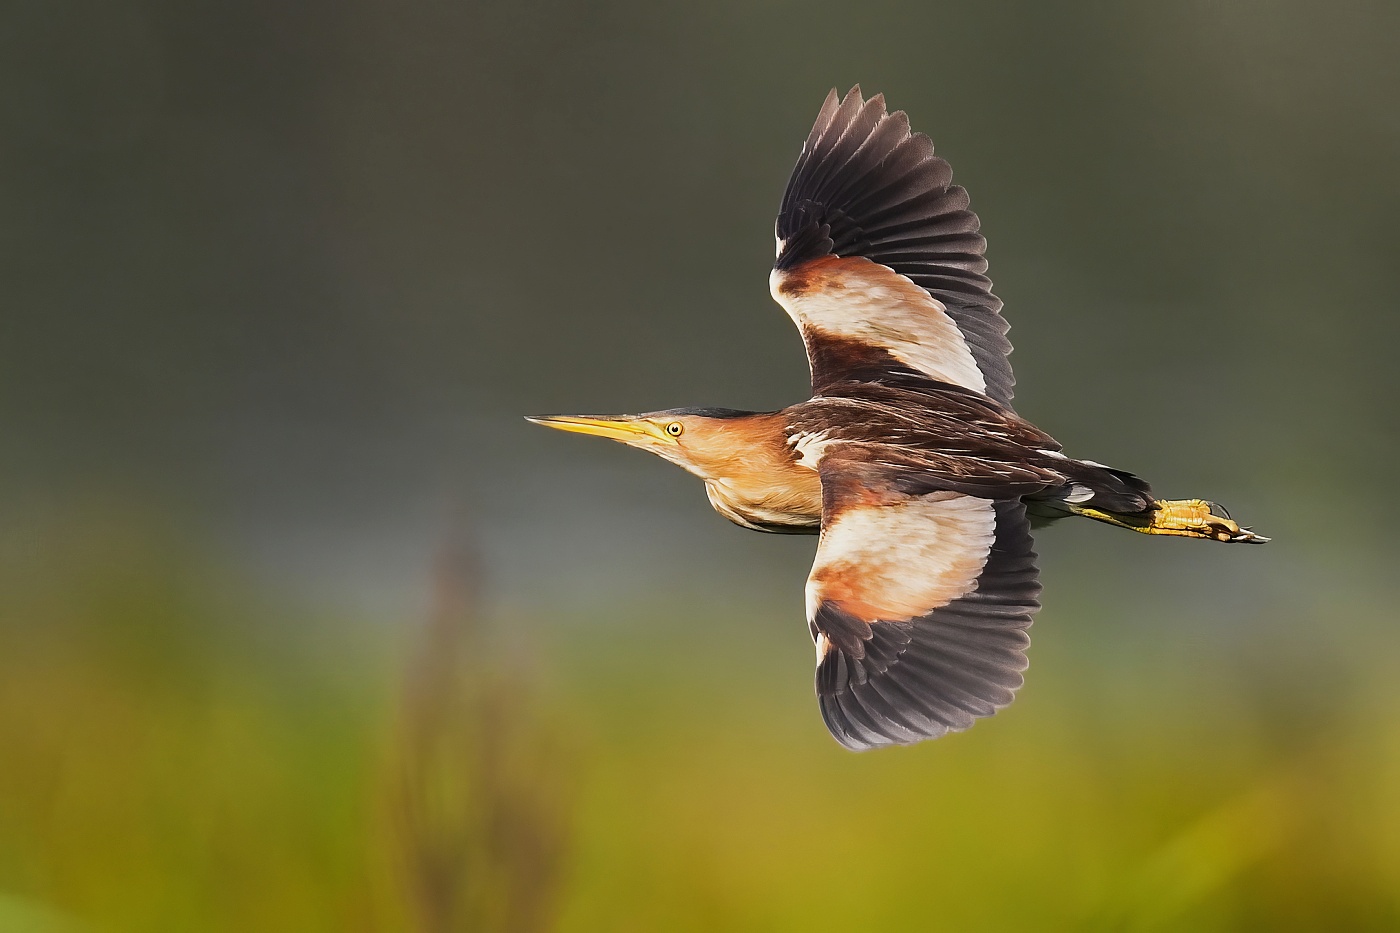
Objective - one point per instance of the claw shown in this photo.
(1186, 518)
(1197, 518)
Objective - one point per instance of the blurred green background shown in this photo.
(303, 628)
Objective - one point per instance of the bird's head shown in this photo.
(702, 440)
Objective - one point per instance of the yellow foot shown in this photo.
(1187, 518)
(1197, 518)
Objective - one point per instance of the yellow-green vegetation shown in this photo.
(178, 759)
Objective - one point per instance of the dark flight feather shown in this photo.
(898, 682)
(865, 186)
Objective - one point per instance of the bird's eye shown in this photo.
(675, 429)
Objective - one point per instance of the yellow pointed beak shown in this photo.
(626, 430)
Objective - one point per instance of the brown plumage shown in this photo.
(908, 459)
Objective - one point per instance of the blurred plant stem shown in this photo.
(479, 788)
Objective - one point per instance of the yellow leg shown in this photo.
(1187, 518)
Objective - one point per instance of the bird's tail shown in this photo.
(1119, 498)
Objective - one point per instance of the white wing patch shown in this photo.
(809, 448)
(860, 300)
(901, 561)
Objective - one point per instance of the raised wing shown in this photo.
(918, 606)
(880, 263)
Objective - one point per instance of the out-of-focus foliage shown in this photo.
(174, 761)
(479, 789)
(280, 278)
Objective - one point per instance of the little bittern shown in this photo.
(908, 459)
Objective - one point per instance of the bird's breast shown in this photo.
(787, 501)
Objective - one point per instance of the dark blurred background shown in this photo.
(303, 628)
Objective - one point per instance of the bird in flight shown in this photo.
(908, 459)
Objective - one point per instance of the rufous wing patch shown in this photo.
(852, 310)
(894, 562)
